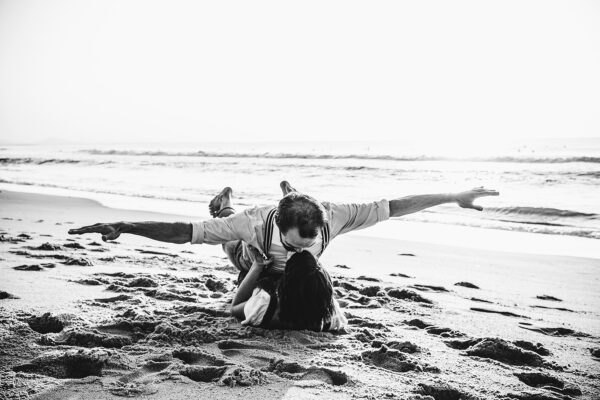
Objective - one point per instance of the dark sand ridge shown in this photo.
(147, 319)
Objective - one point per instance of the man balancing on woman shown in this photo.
(276, 249)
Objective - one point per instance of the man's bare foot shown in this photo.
(286, 188)
(221, 202)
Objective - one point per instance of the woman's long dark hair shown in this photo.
(305, 294)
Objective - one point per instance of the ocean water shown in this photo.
(547, 186)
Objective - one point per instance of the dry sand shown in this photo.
(84, 319)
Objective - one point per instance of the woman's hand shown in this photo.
(465, 199)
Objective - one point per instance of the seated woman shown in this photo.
(300, 298)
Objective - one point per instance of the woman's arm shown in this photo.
(245, 290)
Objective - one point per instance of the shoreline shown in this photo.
(153, 318)
(425, 232)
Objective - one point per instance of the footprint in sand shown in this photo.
(295, 371)
(75, 364)
(139, 382)
(549, 382)
(200, 366)
(326, 375)
(255, 354)
(46, 323)
(196, 356)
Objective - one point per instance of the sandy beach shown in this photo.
(86, 319)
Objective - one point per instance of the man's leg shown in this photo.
(221, 206)
(286, 188)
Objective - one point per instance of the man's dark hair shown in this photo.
(305, 294)
(300, 211)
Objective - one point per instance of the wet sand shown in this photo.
(82, 319)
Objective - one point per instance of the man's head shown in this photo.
(299, 218)
(305, 293)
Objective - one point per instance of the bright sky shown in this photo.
(113, 71)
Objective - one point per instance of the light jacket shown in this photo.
(248, 225)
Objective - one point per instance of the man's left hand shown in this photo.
(465, 199)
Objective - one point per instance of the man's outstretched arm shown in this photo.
(350, 217)
(412, 204)
(172, 232)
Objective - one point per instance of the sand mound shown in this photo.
(370, 291)
(5, 295)
(81, 261)
(505, 313)
(429, 288)
(537, 348)
(404, 294)
(554, 331)
(547, 297)
(48, 247)
(243, 376)
(74, 245)
(203, 373)
(404, 347)
(549, 382)
(83, 338)
(34, 267)
(505, 352)
(142, 282)
(442, 391)
(434, 330)
(393, 360)
(467, 285)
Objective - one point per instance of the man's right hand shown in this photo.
(108, 231)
